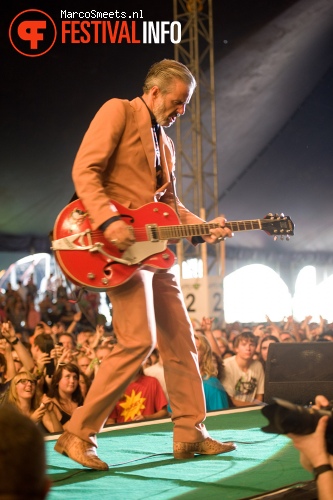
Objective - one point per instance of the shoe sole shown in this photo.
(62, 451)
(188, 454)
(183, 455)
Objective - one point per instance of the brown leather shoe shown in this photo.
(80, 451)
(207, 447)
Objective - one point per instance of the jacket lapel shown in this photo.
(143, 122)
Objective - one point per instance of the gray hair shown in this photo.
(163, 74)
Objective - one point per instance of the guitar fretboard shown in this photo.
(189, 230)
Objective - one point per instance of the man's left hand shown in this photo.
(218, 234)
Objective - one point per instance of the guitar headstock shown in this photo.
(278, 225)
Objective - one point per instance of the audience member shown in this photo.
(223, 346)
(325, 336)
(287, 337)
(85, 383)
(65, 391)
(218, 362)
(157, 370)
(22, 355)
(313, 329)
(7, 363)
(33, 316)
(244, 376)
(152, 358)
(4, 377)
(85, 337)
(215, 394)
(264, 343)
(143, 399)
(206, 330)
(19, 313)
(228, 354)
(22, 291)
(46, 308)
(41, 352)
(67, 340)
(83, 362)
(233, 333)
(23, 395)
(31, 287)
(22, 458)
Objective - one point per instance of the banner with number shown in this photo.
(204, 298)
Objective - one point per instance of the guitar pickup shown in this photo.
(152, 232)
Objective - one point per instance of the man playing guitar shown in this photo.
(127, 157)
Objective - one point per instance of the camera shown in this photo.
(285, 417)
(48, 346)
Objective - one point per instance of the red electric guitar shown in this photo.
(89, 260)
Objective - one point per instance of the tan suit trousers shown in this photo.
(147, 308)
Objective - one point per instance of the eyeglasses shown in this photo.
(25, 381)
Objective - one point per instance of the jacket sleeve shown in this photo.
(98, 145)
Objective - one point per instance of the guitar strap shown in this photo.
(74, 197)
(156, 134)
(174, 193)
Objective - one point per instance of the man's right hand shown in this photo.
(120, 234)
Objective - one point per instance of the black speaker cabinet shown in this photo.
(298, 372)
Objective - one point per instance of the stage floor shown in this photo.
(142, 465)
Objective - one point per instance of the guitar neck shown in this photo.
(189, 230)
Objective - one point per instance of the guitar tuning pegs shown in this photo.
(282, 215)
(275, 238)
(287, 237)
(282, 238)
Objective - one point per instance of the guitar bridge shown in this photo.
(152, 232)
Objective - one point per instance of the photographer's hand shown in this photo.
(321, 402)
(314, 455)
(313, 446)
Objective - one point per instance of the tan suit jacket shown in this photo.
(116, 160)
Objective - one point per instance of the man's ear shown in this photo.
(155, 91)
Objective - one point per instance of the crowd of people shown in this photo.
(47, 363)
(51, 348)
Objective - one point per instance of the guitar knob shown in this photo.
(105, 281)
(91, 276)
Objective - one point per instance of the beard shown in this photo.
(161, 117)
